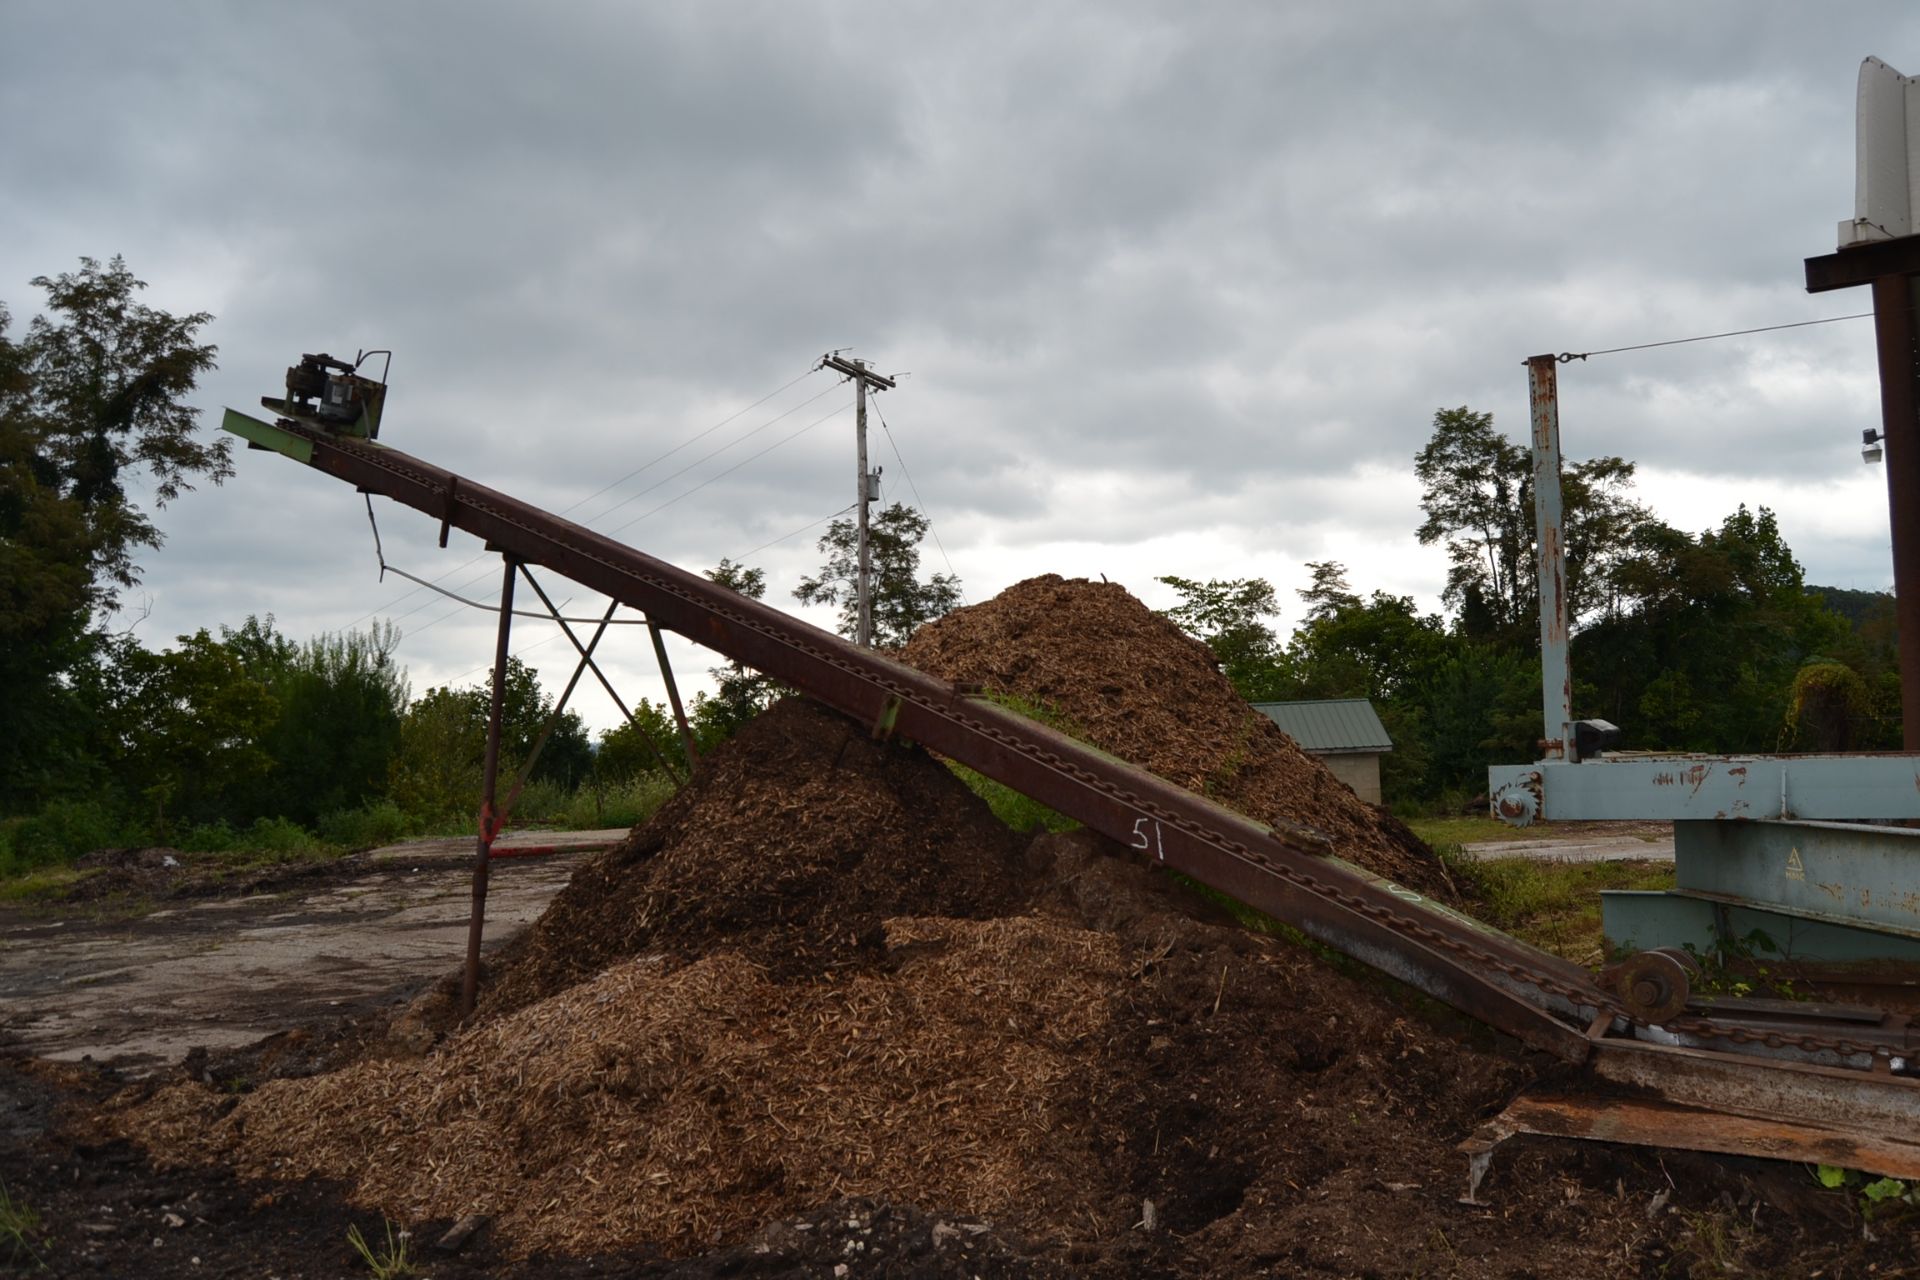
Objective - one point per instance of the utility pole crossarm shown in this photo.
(857, 370)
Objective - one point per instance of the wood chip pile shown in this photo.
(687, 1105)
(825, 971)
(794, 844)
(1132, 683)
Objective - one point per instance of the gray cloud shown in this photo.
(1168, 282)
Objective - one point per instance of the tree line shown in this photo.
(1708, 642)
(1704, 642)
(241, 735)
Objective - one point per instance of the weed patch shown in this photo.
(18, 1222)
(390, 1261)
(1459, 830)
(1555, 905)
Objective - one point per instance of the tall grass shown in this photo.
(1552, 903)
(1022, 813)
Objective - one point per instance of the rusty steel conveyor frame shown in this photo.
(1544, 1001)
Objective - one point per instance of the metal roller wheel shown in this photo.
(1654, 985)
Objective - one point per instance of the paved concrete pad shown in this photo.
(225, 972)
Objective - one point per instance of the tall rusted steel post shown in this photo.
(489, 780)
(1556, 679)
(1894, 328)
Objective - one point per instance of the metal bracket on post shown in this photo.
(446, 515)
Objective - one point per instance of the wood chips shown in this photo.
(792, 844)
(824, 970)
(1135, 685)
(683, 1106)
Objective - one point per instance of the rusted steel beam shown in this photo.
(1891, 267)
(1797, 1092)
(1479, 970)
(673, 696)
(489, 778)
(1894, 327)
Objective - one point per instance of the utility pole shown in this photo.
(869, 482)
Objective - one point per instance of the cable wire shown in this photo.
(895, 446)
(1566, 356)
(721, 475)
(460, 568)
(708, 456)
(741, 559)
(427, 626)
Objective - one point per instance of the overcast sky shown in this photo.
(1177, 288)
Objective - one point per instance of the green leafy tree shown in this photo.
(647, 743)
(1380, 648)
(1712, 633)
(901, 601)
(1477, 493)
(740, 693)
(340, 700)
(180, 730)
(438, 768)
(1475, 490)
(92, 395)
(1229, 617)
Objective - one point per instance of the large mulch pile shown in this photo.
(1133, 684)
(825, 976)
(684, 1106)
(793, 844)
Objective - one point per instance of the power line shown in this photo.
(703, 435)
(741, 559)
(920, 502)
(721, 475)
(1566, 356)
(708, 456)
(429, 625)
(460, 568)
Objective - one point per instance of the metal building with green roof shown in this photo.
(1345, 734)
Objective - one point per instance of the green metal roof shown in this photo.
(1330, 726)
